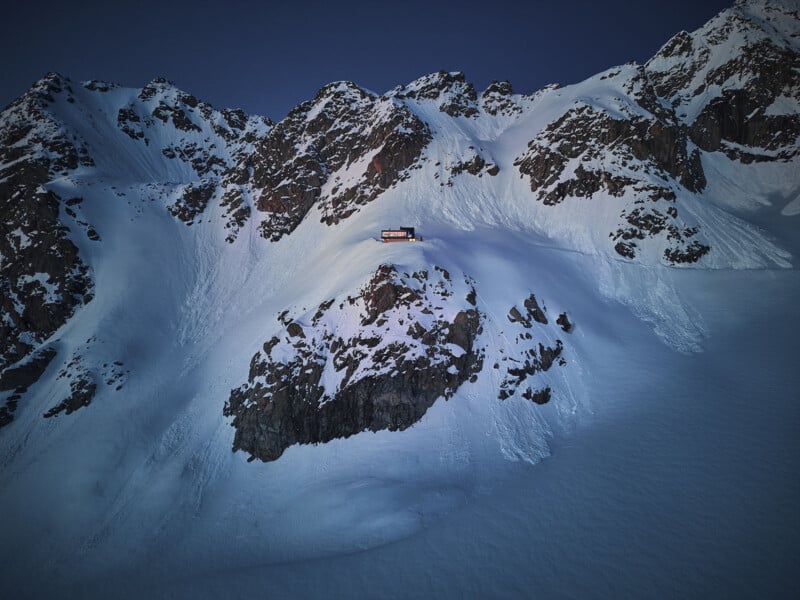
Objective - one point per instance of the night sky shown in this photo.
(266, 57)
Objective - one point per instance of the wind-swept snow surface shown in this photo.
(677, 479)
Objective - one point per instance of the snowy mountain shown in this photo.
(179, 281)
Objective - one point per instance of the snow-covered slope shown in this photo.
(179, 282)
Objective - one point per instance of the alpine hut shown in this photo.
(403, 234)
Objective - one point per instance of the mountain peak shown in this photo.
(451, 92)
(342, 87)
(160, 83)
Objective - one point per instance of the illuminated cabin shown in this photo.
(404, 234)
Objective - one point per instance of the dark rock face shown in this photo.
(303, 158)
(737, 119)
(587, 152)
(497, 99)
(564, 322)
(539, 396)
(533, 313)
(20, 378)
(28, 373)
(452, 92)
(130, 124)
(740, 91)
(179, 118)
(527, 355)
(586, 133)
(475, 166)
(82, 391)
(42, 278)
(737, 122)
(474, 163)
(86, 379)
(44, 281)
(417, 342)
(193, 201)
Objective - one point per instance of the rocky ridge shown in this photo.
(735, 83)
(639, 152)
(377, 360)
(43, 278)
(730, 87)
(337, 152)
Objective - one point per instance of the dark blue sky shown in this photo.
(266, 57)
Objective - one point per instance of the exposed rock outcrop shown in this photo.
(86, 377)
(589, 152)
(564, 322)
(497, 99)
(412, 339)
(476, 165)
(416, 342)
(19, 378)
(527, 354)
(339, 151)
(736, 81)
(42, 278)
(533, 313)
(193, 201)
(452, 93)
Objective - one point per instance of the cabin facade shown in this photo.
(403, 234)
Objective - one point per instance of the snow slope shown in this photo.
(678, 484)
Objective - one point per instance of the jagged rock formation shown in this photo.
(735, 82)
(450, 92)
(640, 151)
(207, 140)
(42, 278)
(85, 377)
(528, 356)
(191, 134)
(498, 99)
(731, 87)
(411, 339)
(17, 379)
(193, 201)
(338, 151)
